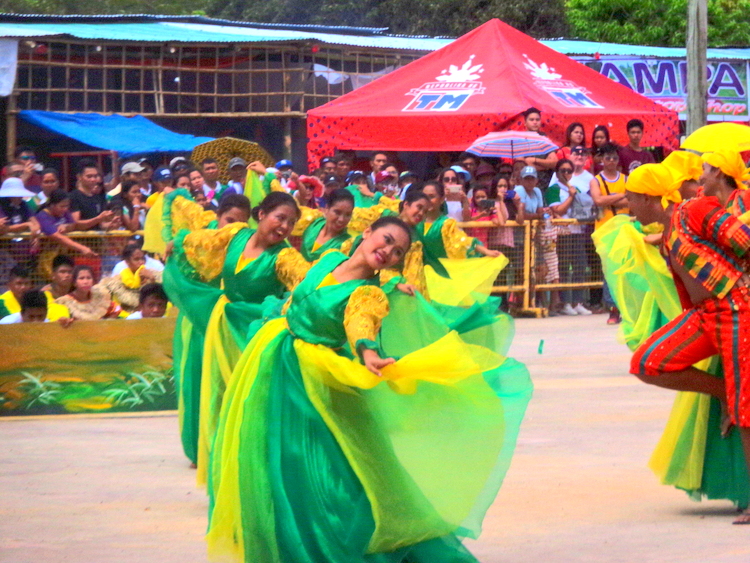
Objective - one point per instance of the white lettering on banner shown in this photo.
(450, 91)
(565, 92)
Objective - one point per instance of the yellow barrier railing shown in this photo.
(534, 250)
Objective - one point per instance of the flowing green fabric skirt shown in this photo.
(307, 470)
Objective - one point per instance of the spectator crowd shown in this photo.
(582, 184)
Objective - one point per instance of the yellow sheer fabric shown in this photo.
(307, 216)
(470, 280)
(152, 228)
(457, 243)
(207, 248)
(186, 214)
(291, 267)
(367, 307)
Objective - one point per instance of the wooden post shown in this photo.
(287, 151)
(697, 86)
(11, 132)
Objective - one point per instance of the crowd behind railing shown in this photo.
(539, 211)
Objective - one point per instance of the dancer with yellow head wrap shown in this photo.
(692, 454)
(705, 246)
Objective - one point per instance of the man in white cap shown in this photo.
(128, 171)
(237, 174)
(15, 215)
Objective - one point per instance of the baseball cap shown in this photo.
(145, 161)
(283, 164)
(383, 176)
(579, 149)
(407, 174)
(330, 180)
(325, 160)
(237, 161)
(162, 174)
(529, 171)
(353, 175)
(176, 160)
(131, 167)
(461, 171)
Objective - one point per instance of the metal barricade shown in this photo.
(546, 259)
(37, 253)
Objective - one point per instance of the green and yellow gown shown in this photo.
(206, 255)
(195, 300)
(308, 227)
(691, 454)
(317, 460)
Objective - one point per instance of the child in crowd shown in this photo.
(125, 286)
(62, 277)
(152, 302)
(33, 309)
(483, 209)
(19, 282)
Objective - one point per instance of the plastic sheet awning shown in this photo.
(128, 136)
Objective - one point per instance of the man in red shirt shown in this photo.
(632, 155)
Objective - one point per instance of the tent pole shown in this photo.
(11, 122)
(287, 124)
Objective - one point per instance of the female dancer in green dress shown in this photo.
(325, 230)
(195, 300)
(330, 450)
(253, 264)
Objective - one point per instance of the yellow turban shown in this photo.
(730, 163)
(655, 180)
(685, 165)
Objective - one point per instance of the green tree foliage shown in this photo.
(88, 7)
(413, 17)
(656, 22)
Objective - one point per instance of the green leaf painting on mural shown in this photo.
(150, 389)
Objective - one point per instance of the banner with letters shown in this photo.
(665, 82)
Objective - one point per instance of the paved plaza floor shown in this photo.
(118, 490)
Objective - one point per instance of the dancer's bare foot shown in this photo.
(743, 518)
(193, 466)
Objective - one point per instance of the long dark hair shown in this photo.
(391, 220)
(570, 130)
(339, 194)
(598, 128)
(273, 201)
(410, 197)
(57, 196)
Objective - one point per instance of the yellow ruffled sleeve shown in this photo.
(363, 217)
(346, 247)
(186, 214)
(390, 203)
(457, 243)
(414, 268)
(291, 267)
(307, 216)
(206, 249)
(367, 307)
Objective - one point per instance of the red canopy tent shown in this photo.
(480, 83)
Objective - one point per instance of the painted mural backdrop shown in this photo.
(96, 366)
(665, 82)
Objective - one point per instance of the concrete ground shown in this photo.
(117, 489)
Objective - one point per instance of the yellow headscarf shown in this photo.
(730, 163)
(685, 165)
(655, 180)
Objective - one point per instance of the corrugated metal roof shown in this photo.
(176, 32)
(200, 29)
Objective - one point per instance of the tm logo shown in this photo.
(450, 90)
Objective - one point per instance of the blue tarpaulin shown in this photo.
(128, 136)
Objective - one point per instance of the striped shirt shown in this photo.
(709, 243)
